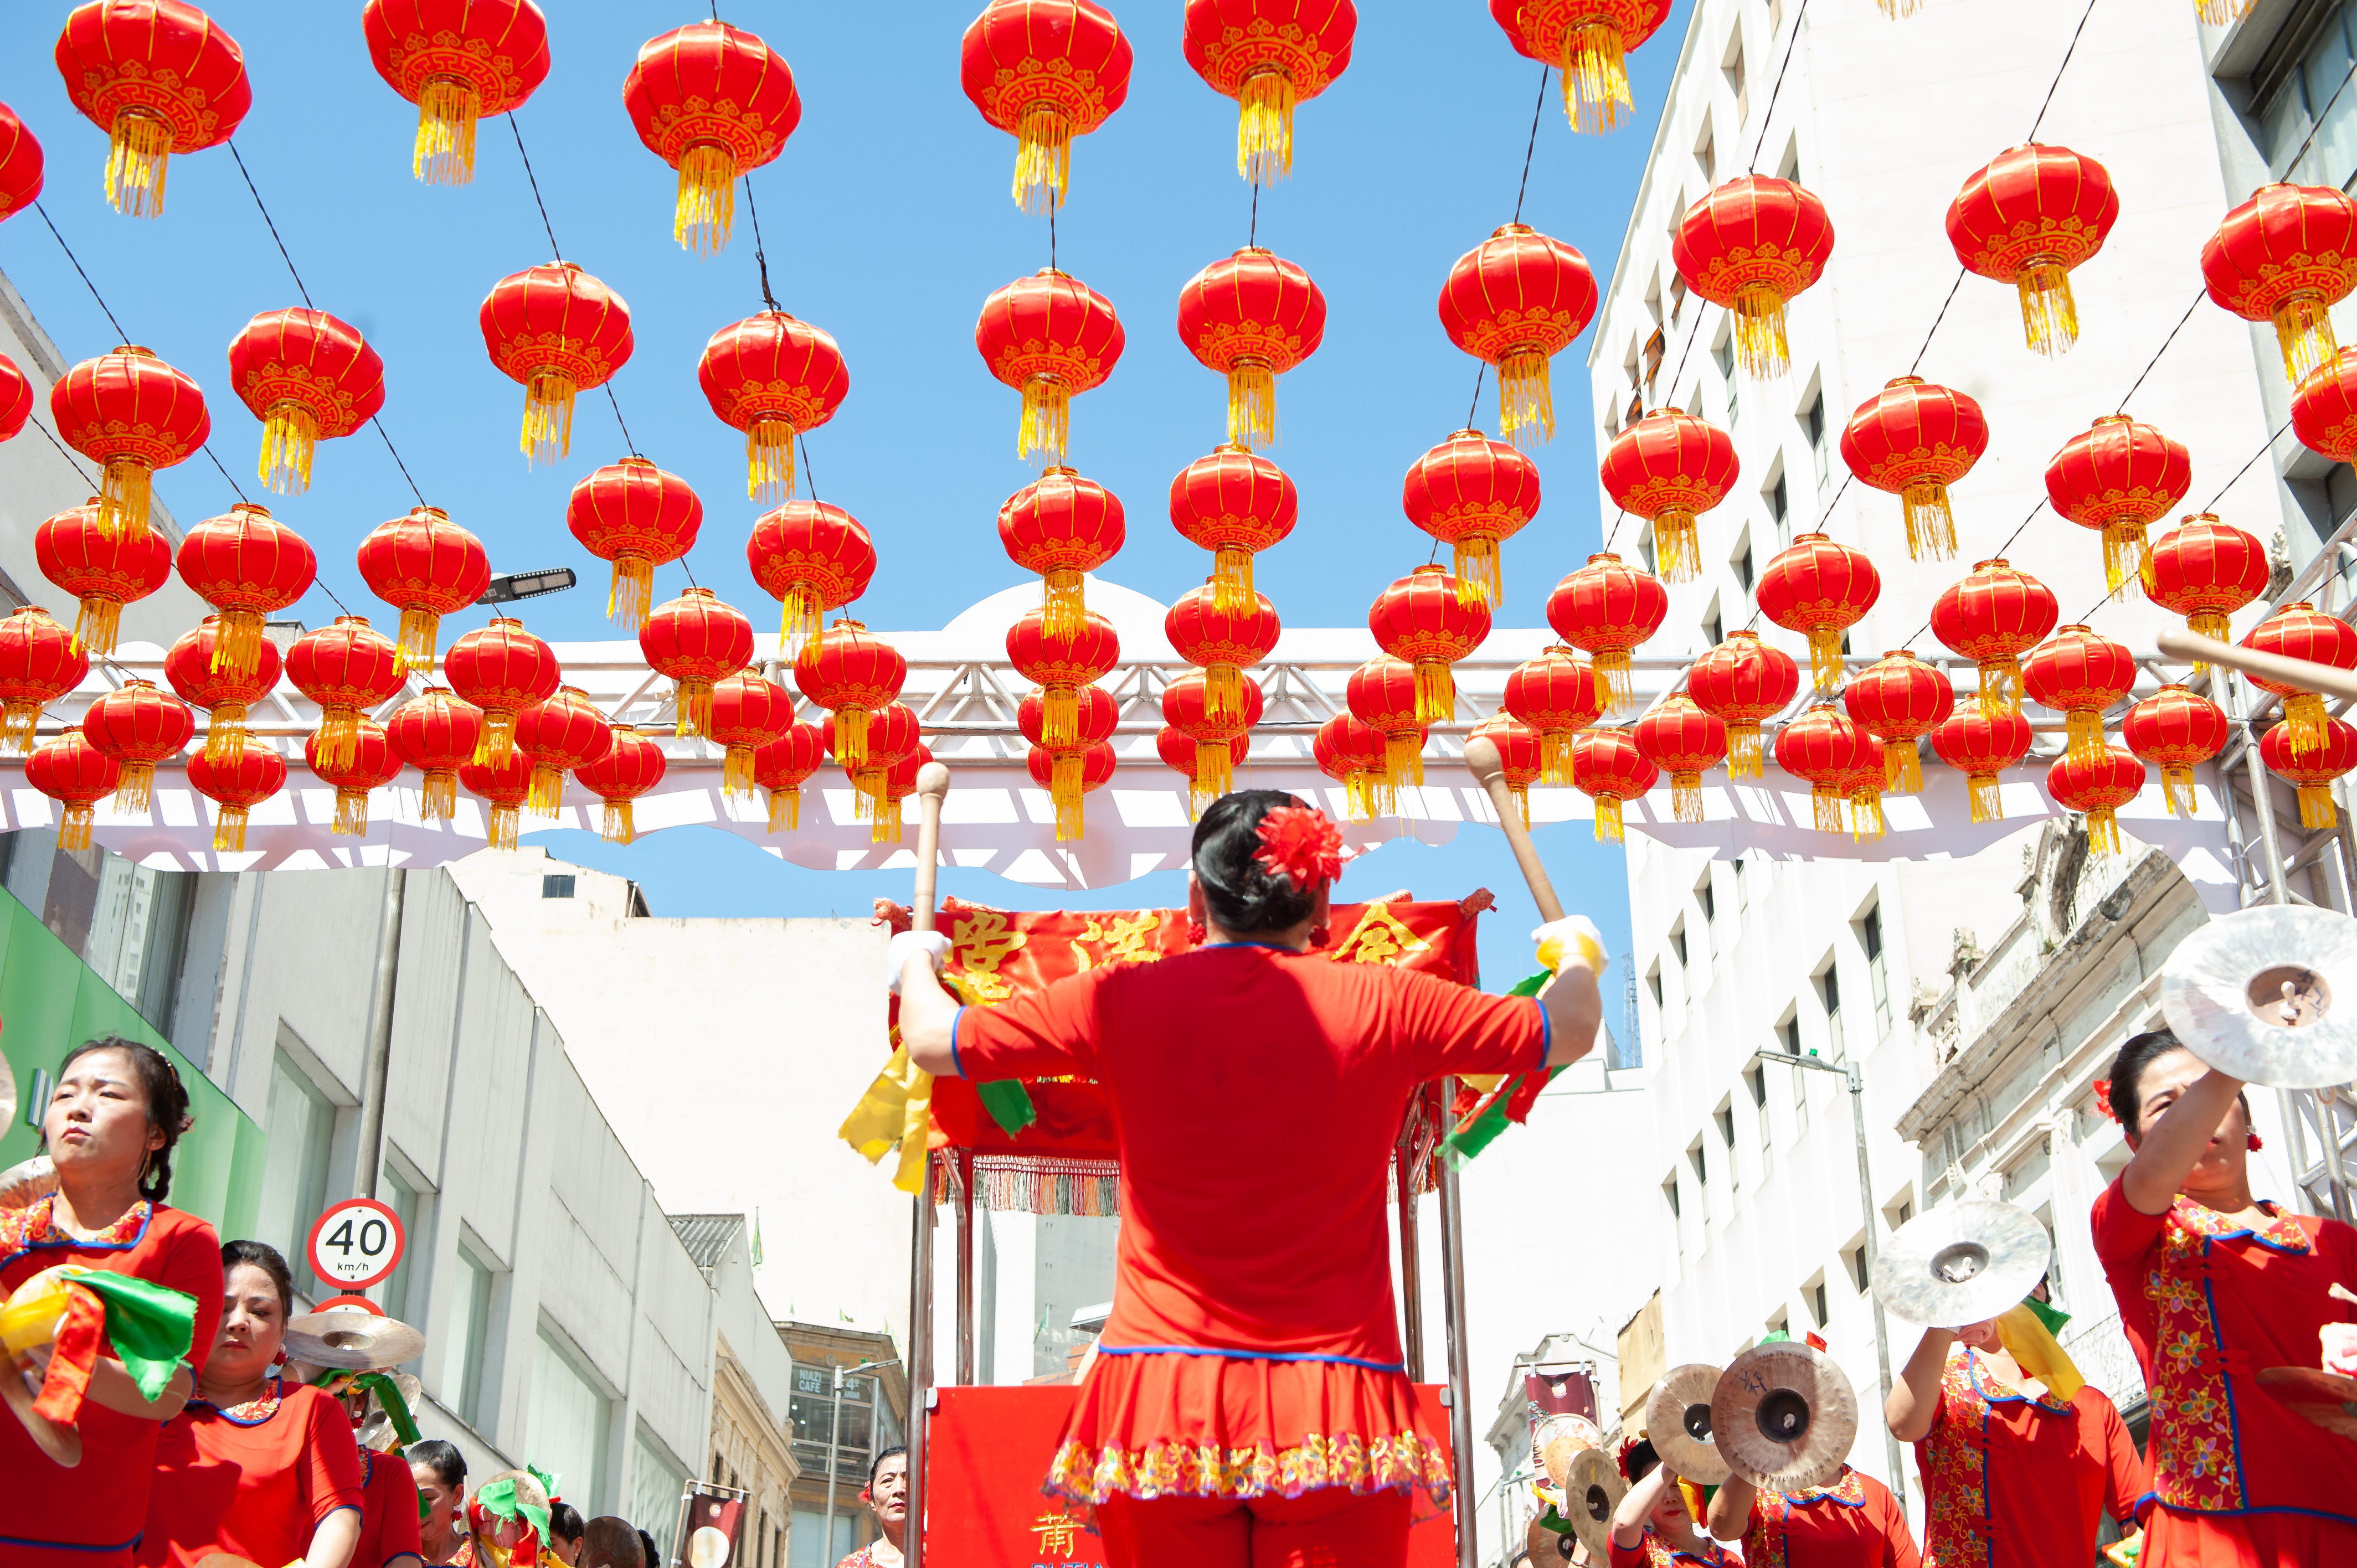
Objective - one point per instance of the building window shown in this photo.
(1857, 1271)
(1788, 1036)
(1677, 296)
(1829, 991)
(1735, 80)
(557, 887)
(803, 1542)
(1722, 354)
(1715, 628)
(567, 1426)
(1670, 1194)
(1878, 969)
(406, 1201)
(1780, 508)
(1701, 1171)
(1742, 885)
(1725, 1117)
(1812, 420)
(657, 1486)
(1708, 900)
(2294, 93)
(1706, 154)
(301, 1127)
(1818, 1308)
(1654, 984)
(1678, 942)
(1743, 567)
(466, 1338)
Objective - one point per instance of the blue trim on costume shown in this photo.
(2225, 1379)
(2246, 1513)
(955, 1019)
(1547, 1035)
(2274, 1211)
(1980, 1387)
(1275, 946)
(72, 1545)
(1104, 1349)
(51, 1219)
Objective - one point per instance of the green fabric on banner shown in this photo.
(1009, 1104)
(500, 1497)
(547, 1481)
(1556, 1522)
(397, 1409)
(1463, 1145)
(151, 1325)
(2046, 1315)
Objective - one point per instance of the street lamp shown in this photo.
(835, 1434)
(1848, 1071)
(514, 585)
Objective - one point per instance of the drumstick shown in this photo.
(932, 784)
(1488, 770)
(62, 1444)
(2300, 673)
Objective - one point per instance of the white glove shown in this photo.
(1573, 939)
(907, 945)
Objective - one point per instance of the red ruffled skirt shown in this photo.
(1174, 1425)
(2173, 1540)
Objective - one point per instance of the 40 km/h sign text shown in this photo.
(356, 1244)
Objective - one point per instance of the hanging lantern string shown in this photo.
(1530, 149)
(556, 252)
(760, 257)
(1252, 229)
(1760, 141)
(2059, 70)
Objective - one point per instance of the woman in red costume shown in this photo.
(2213, 1286)
(439, 1471)
(252, 1467)
(388, 1497)
(1248, 1398)
(1658, 1524)
(109, 1127)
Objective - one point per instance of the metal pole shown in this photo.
(1460, 1376)
(1873, 1259)
(1411, 1258)
(921, 1364)
(2262, 801)
(833, 1436)
(378, 1062)
(2328, 1127)
(961, 1180)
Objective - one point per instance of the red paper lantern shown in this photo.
(1991, 617)
(1981, 741)
(2286, 255)
(638, 516)
(852, 674)
(2323, 408)
(247, 565)
(1684, 741)
(1608, 768)
(2082, 676)
(1820, 589)
(811, 557)
(1186, 707)
(1518, 756)
(632, 766)
(1269, 55)
(893, 734)
(2028, 217)
(438, 733)
(2301, 631)
(1381, 695)
(1914, 439)
(1051, 337)
(1223, 644)
(1588, 42)
(346, 669)
(426, 566)
(1471, 493)
(561, 733)
(748, 712)
(1059, 663)
(77, 775)
(1741, 682)
(502, 670)
(1424, 619)
(131, 413)
(1068, 776)
(1252, 317)
(458, 60)
(1557, 697)
(1352, 755)
(20, 164)
(781, 766)
(714, 101)
(308, 378)
(2206, 570)
(1044, 71)
(1060, 526)
(16, 393)
(1829, 751)
(104, 571)
(367, 764)
(774, 378)
(1099, 717)
(2098, 786)
(2312, 768)
(1750, 245)
(1899, 700)
(1177, 750)
(1233, 503)
(1606, 609)
(158, 77)
(40, 662)
(505, 787)
(193, 667)
(139, 727)
(560, 332)
(1666, 468)
(2120, 478)
(2176, 731)
(1864, 783)
(1515, 301)
(695, 640)
(235, 789)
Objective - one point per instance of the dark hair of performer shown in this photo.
(1654, 1500)
(887, 1496)
(648, 1555)
(2188, 1124)
(564, 1531)
(440, 1471)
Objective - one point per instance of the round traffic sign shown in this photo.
(356, 1244)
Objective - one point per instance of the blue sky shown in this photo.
(886, 221)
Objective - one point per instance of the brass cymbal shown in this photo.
(378, 1432)
(352, 1339)
(1784, 1416)
(1592, 1492)
(2328, 1399)
(26, 1182)
(1677, 1422)
(1548, 1548)
(1960, 1263)
(2256, 994)
(1558, 1437)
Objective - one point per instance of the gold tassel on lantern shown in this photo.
(444, 152)
(138, 151)
(1046, 427)
(96, 627)
(2050, 315)
(1613, 680)
(1215, 768)
(706, 209)
(1988, 805)
(2304, 723)
(1608, 819)
(803, 617)
(1064, 790)
(693, 705)
(2104, 826)
(502, 825)
(1895, 9)
(1595, 77)
(1232, 580)
(2218, 13)
(1745, 755)
(547, 417)
(289, 434)
(1825, 803)
(1555, 756)
(122, 498)
(2304, 332)
(632, 592)
(17, 722)
(2315, 806)
(1064, 612)
(1867, 822)
(1359, 795)
(547, 797)
(1902, 769)
(1474, 565)
(438, 801)
(498, 744)
(1435, 692)
(1224, 692)
(866, 793)
(1043, 158)
(850, 735)
(1930, 526)
(768, 461)
(352, 813)
(2128, 565)
(1759, 343)
(225, 735)
(134, 791)
(421, 631)
(1522, 794)
(736, 771)
(1251, 404)
(1525, 398)
(1264, 126)
(73, 833)
(1825, 656)
(1060, 719)
(228, 832)
(785, 810)
(621, 825)
(1404, 759)
(1677, 546)
(887, 820)
(2083, 728)
(2177, 788)
(1685, 799)
(238, 650)
(2000, 683)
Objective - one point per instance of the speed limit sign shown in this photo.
(356, 1244)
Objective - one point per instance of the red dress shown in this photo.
(2206, 1304)
(388, 1512)
(1653, 1551)
(254, 1481)
(90, 1516)
(1853, 1522)
(2008, 1479)
(1255, 1093)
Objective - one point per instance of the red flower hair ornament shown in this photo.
(2103, 1087)
(1302, 846)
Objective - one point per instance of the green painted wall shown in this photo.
(50, 1002)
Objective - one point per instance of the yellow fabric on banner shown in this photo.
(2027, 1342)
(896, 1109)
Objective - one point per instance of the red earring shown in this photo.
(1195, 932)
(2257, 1144)
(1320, 935)
(279, 1359)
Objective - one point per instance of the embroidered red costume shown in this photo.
(254, 1481)
(1653, 1551)
(2008, 1479)
(1852, 1522)
(1256, 1092)
(388, 1512)
(2206, 1303)
(90, 1516)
